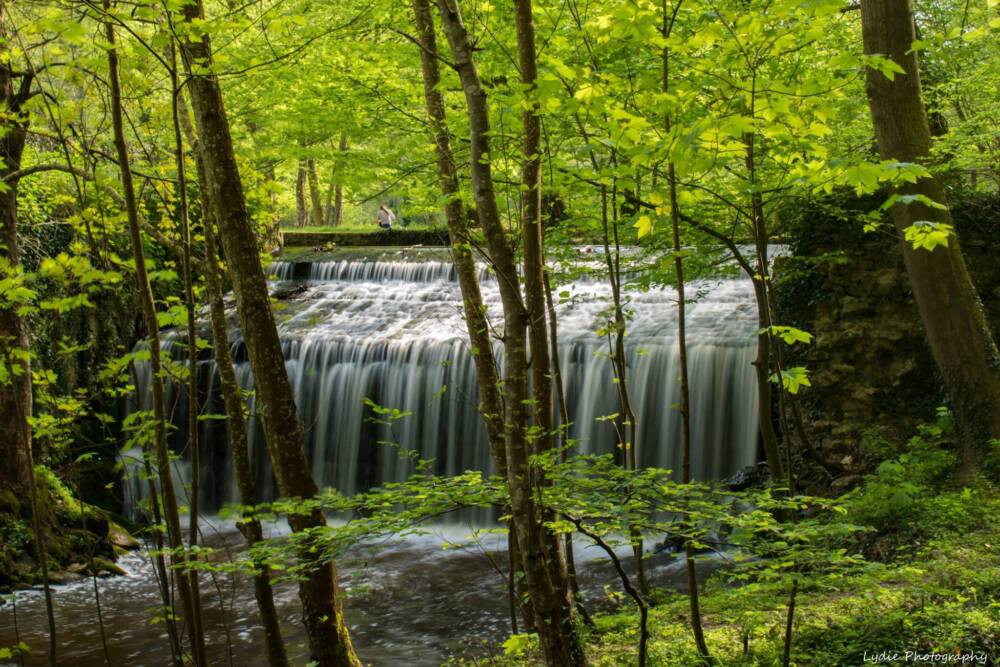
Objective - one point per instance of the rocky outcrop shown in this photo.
(79, 539)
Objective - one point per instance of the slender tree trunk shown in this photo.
(170, 511)
(315, 196)
(328, 205)
(335, 211)
(544, 581)
(193, 444)
(761, 288)
(533, 233)
(301, 203)
(564, 424)
(531, 223)
(957, 331)
(275, 240)
(685, 406)
(239, 446)
(491, 400)
(459, 235)
(329, 641)
(627, 424)
(232, 400)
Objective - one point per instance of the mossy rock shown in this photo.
(75, 534)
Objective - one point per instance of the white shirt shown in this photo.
(386, 217)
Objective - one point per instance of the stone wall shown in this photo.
(392, 237)
(873, 378)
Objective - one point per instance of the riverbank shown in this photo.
(80, 539)
(920, 579)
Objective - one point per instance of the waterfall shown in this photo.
(393, 332)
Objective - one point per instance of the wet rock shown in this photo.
(107, 568)
(750, 477)
(287, 293)
(121, 538)
(64, 577)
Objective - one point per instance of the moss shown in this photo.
(74, 532)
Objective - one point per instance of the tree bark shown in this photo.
(232, 400)
(193, 443)
(301, 203)
(460, 243)
(238, 445)
(545, 580)
(315, 196)
(329, 641)
(957, 331)
(15, 385)
(170, 511)
(275, 240)
(531, 225)
(335, 210)
(17, 474)
(761, 289)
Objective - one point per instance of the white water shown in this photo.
(392, 331)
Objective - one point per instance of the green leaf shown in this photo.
(644, 225)
(790, 335)
(928, 235)
(793, 379)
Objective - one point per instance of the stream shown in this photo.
(414, 601)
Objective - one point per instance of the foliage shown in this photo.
(750, 108)
(938, 593)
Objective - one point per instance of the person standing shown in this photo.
(385, 217)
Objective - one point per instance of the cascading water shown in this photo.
(392, 332)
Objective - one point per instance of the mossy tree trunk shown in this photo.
(329, 641)
(233, 404)
(960, 338)
(15, 366)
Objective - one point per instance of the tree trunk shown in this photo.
(193, 443)
(531, 223)
(957, 331)
(301, 205)
(491, 402)
(238, 445)
(17, 474)
(315, 196)
(335, 211)
(275, 240)
(233, 403)
(15, 385)
(170, 511)
(544, 580)
(461, 247)
(761, 289)
(329, 641)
